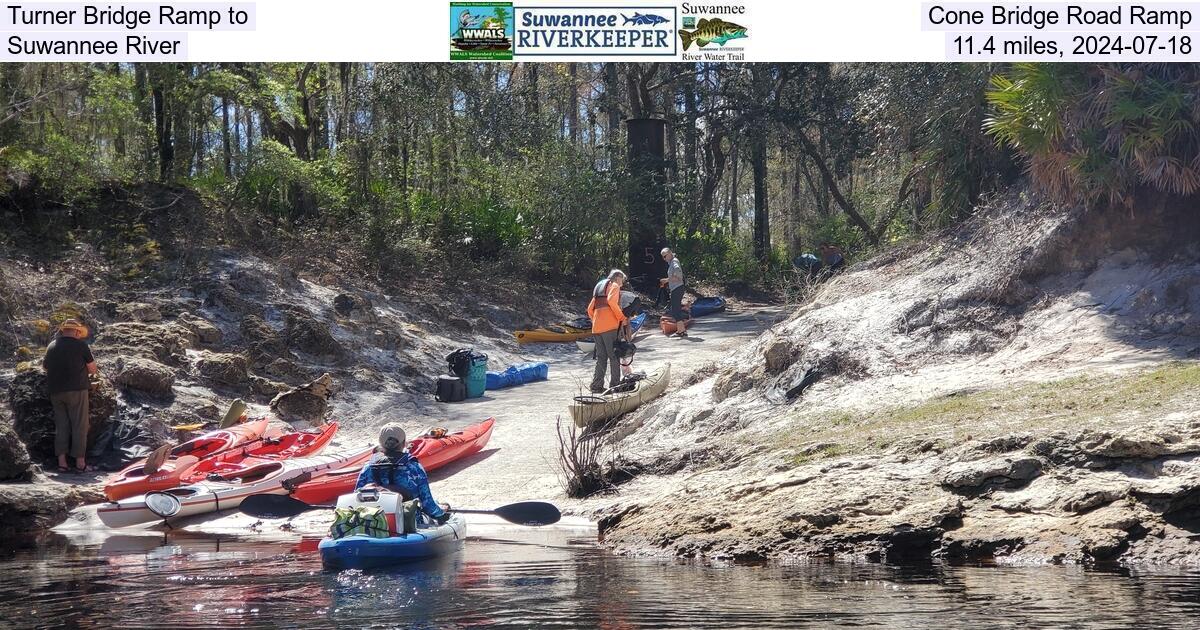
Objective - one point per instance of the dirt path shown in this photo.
(520, 462)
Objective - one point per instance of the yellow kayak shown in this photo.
(554, 333)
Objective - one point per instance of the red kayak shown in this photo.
(432, 452)
(133, 480)
(234, 463)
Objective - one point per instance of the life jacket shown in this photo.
(600, 293)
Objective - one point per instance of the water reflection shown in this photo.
(550, 579)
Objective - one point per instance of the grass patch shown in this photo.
(1095, 401)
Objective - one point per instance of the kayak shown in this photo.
(234, 463)
(433, 453)
(133, 480)
(588, 345)
(669, 326)
(361, 551)
(707, 306)
(554, 334)
(366, 552)
(270, 477)
(616, 404)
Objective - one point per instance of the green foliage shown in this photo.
(281, 184)
(1101, 133)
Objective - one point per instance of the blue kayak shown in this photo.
(365, 552)
(707, 306)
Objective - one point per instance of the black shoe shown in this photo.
(597, 391)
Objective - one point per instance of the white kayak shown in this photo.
(223, 494)
(605, 406)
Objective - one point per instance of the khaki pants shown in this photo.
(606, 361)
(70, 422)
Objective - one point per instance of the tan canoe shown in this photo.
(614, 405)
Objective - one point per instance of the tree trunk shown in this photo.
(762, 216)
(573, 102)
(733, 194)
(162, 132)
(226, 147)
(831, 183)
(612, 107)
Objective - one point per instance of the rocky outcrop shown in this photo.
(14, 457)
(205, 331)
(33, 418)
(307, 335)
(144, 375)
(263, 344)
(139, 312)
(35, 507)
(306, 403)
(223, 368)
(158, 342)
(1130, 496)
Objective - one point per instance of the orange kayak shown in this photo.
(133, 480)
(433, 453)
(236, 462)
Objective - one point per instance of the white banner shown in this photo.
(651, 30)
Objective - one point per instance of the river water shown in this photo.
(541, 579)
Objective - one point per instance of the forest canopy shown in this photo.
(527, 163)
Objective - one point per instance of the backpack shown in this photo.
(364, 520)
(450, 389)
(460, 362)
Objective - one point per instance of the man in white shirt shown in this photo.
(674, 282)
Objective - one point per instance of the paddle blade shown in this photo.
(236, 409)
(276, 506)
(529, 513)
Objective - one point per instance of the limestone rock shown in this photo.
(158, 342)
(265, 386)
(206, 332)
(14, 458)
(223, 368)
(305, 403)
(263, 344)
(33, 418)
(27, 508)
(139, 312)
(779, 356)
(144, 375)
(312, 337)
(1009, 471)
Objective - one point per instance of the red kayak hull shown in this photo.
(433, 453)
(132, 480)
(232, 463)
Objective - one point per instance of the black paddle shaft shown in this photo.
(281, 506)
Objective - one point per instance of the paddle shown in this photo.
(531, 513)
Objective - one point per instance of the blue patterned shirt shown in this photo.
(403, 474)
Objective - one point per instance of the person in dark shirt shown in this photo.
(68, 363)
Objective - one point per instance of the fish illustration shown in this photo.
(466, 20)
(644, 20)
(715, 31)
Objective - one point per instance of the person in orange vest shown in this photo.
(607, 322)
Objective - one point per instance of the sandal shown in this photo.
(64, 469)
(86, 469)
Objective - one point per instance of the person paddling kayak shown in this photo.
(397, 470)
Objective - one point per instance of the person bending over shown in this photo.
(395, 469)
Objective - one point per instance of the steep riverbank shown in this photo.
(1021, 389)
